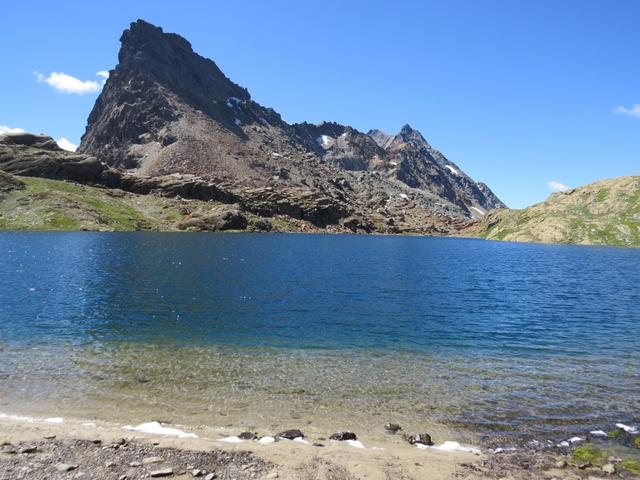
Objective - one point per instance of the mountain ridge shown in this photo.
(165, 109)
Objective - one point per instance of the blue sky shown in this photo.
(518, 93)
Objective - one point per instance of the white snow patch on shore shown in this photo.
(54, 420)
(157, 428)
(266, 440)
(232, 439)
(599, 433)
(88, 424)
(627, 428)
(564, 443)
(300, 440)
(501, 449)
(17, 418)
(576, 440)
(450, 446)
(452, 170)
(355, 443)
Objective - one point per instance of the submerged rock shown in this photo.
(343, 436)
(290, 434)
(392, 428)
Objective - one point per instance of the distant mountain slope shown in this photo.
(602, 213)
(167, 110)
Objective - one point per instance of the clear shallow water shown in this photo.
(323, 332)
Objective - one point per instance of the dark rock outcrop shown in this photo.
(8, 182)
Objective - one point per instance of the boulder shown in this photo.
(290, 434)
(343, 436)
(421, 438)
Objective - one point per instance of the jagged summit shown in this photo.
(165, 109)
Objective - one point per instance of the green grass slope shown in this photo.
(56, 205)
(602, 213)
(29, 203)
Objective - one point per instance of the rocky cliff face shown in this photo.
(167, 110)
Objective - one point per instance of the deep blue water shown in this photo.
(308, 291)
(569, 314)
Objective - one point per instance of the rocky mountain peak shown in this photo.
(167, 110)
(170, 60)
(408, 134)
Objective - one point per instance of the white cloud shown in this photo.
(65, 144)
(557, 186)
(5, 129)
(634, 111)
(68, 84)
(103, 74)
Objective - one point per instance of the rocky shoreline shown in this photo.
(37, 449)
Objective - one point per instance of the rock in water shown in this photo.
(421, 438)
(392, 427)
(290, 434)
(343, 436)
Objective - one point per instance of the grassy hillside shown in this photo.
(602, 213)
(28, 203)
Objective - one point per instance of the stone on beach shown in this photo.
(165, 472)
(343, 436)
(151, 460)
(65, 467)
(420, 438)
(290, 434)
(247, 436)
